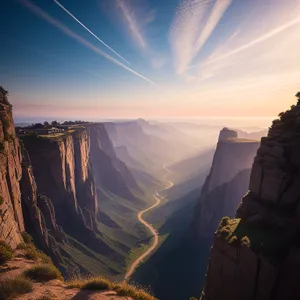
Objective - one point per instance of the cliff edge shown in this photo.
(11, 217)
(257, 254)
(226, 182)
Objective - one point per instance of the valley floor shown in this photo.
(149, 226)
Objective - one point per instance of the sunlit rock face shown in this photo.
(11, 218)
(267, 266)
(226, 183)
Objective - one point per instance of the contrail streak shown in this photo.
(94, 35)
(254, 42)
(42, 14)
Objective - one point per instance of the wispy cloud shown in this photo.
(131, 20)
(42, 14)
(255, 41)
(88, 30)
(194, 22)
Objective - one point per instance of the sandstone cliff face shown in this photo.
(38, 211)
(226, 183)
(11, 218)
(62, 170)
(268, 267)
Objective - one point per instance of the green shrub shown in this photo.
(224, 221)
(26, 237)
(13, 287)
(1, 200)
(232, 240)
(6, 252)
(245, 242)
(43, 272)
(22, 246)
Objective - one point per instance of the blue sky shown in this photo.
(186, 58)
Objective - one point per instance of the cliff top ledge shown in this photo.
(227, 133)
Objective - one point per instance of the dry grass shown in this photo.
(32, 253)
(13, 287)
(43, 272)
(26, 237)
(6, 252)
(124, 289)
(101, 284)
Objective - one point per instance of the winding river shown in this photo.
(149, 226)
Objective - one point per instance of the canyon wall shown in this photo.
(11, 216)
(256, 254)
(226, 183)
(62, 170)
(48, 187)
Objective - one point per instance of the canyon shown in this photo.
(100, 199)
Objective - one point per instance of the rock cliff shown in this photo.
(48, 187)
(226, 182)
(11, 217)
(256, 254)
(63, 174)
(232, 155)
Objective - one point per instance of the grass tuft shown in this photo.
(101, 284)
(26, 237)
(22, 246)
(43, 272)
(124, 289)
(6, 253)
(13, 287)
(32, 253)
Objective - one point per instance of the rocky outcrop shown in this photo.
(226, 183)
(11, 217)
(268, 219)
(227, 133)
(232, 155)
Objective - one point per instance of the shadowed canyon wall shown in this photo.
(226, 183)
(256, 255)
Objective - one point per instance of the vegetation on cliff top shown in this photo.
(6, 252)
(42, 273)
(45, 271)
(101, 283)
(229, 228)
(13, 287)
